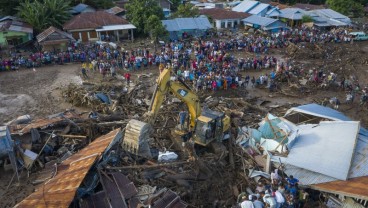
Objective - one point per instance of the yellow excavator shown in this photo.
(204, 126)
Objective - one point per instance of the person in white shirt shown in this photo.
(247, 203)
(280, 200)
(268, 199)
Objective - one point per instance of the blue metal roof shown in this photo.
(259, 8)
(293, 13)
(359, 164)
(80, 7)
(258, 20)
(319, 111)
(245, 6)
(179, 24)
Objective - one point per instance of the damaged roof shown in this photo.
(221, 14)
(52, 34)
(325, 148)
(61, 189)
(356, 187)
(43, 123)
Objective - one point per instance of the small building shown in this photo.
(293, 16)
(166, 7)
(120, 12)
(332, 15)
(224, 18)
(253, 8)
(82, 8)
(14, 32)
(53, 39)
(100, 25)
(265, 23)
(180, 27)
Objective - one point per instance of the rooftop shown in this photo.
(93, 20)
(245, 6)
(49, 31)
(220, 14)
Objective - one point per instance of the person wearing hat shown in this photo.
(247, 203)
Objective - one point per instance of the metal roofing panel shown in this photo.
(318, 147)
(259, 8)
(245, 6)
(292, 13)
(258, 20)
(60, 190)
(116, 27)
(331, 13)
(319, 111)
(202, 23)
(170, 25)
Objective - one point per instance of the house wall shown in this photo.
(7, 34)
(230, 23)
(55, 47)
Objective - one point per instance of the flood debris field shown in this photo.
(73, 120)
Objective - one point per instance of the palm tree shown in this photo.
(42, 15)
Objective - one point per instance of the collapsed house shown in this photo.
(320, 146)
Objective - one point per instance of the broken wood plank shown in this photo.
(148, 166)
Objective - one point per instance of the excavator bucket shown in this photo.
(136, 138)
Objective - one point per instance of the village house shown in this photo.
(120, 12)
(100, 25)
(222, 18)
(265, 23)
(180, 27)
(13, 31)
(253, 8)
(53, 39)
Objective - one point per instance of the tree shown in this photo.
(45, 13)
(186, 10)
(8, 7)
(347, 7)
(307, 18)
(155, 28)
(138, 12)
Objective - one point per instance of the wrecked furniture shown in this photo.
(7, 148)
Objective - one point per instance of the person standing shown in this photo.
(247, 203)
(127, 77)
(84, 72)
(182, 117)
(257, 203)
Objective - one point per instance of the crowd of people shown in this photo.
(207, 64)
(279, 193)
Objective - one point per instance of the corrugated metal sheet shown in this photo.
(179, 24)
(356, 187)
(49, 31)
(258, 20)
(319, 111)
(326, 148)
(259, 8)
(43, 123)
(60, 190)
(245, 6)
(292, 13)
(359, 166)
(331, 14)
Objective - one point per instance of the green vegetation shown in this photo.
(307, 18)
(44, 13)
(139, 11)
(186, 10)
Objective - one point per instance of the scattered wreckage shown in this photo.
(89, 160)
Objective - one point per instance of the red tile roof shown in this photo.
(308, 7)
(220, 14)
(93, 20)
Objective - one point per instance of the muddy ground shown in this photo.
(38, 93)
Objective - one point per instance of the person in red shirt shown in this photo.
(127, 77)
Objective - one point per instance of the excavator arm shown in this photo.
(180, 90)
